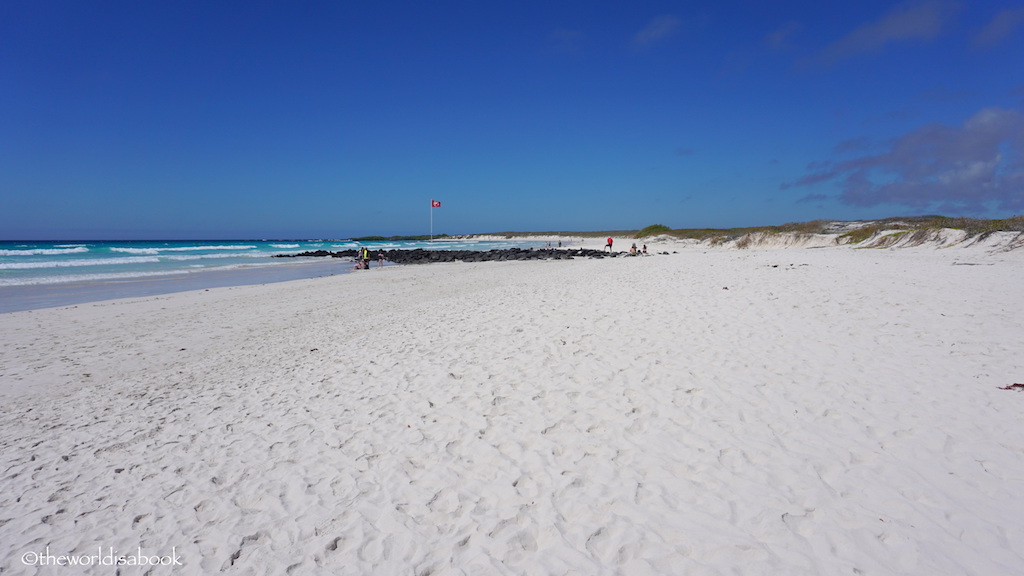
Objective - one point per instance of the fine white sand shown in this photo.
(816, 411)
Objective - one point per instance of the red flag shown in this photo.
(435, 203)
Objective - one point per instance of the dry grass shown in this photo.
(718, 236)
(922, 226)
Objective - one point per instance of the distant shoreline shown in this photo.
(937, 232)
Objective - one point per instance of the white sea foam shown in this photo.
(135, 250)
(284, 245)
(179, 249)
(70, 278)
(44, 251)
(191, 248)
(180, 257)
(77, 263)
(46, 280)
(187, 257)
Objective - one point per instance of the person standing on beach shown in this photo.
(380, 259)
(609, 246)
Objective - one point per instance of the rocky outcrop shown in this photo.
(421, 256)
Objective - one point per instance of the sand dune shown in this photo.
(826, 411)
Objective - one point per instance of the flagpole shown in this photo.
(433, 204)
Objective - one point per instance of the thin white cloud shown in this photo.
(779, 39)
(919, 20)
(566, 41)
(1003, 24)
(968, 167)
(852, 145)
(657, 30)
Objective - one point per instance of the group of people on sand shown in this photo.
(633, 251)
(363, 258)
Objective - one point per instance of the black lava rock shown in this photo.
(421, 256)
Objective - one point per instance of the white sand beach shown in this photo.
(704, 412)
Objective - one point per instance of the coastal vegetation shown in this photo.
(653, 230)
(849, 232)
(921, 225)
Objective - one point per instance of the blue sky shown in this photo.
(252, 119)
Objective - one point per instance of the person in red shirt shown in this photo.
(609, 246)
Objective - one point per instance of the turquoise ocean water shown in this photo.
(42, 274)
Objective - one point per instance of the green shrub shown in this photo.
(812, 227)
(653, 230)
(860, 234)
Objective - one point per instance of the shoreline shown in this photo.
(52, 273)
(301, 266)
(41, 296)
(31, 296)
